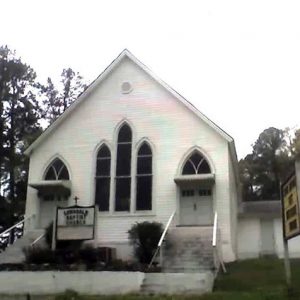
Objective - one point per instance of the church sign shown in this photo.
(290, 207)
(75, 223)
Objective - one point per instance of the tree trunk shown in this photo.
(12, 161)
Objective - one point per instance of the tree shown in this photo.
(247, 175)
(295, 144)
(270, 162)
(19, 115)
(57, 100)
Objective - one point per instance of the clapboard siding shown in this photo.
(153, 113)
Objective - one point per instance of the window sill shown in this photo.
(126, 214)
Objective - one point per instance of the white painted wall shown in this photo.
(250, 239)
(233, 192)
(49, 283)
(153, 113)
(53, 282)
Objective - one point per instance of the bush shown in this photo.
(69, 295)
(48, 235)
(39, 256)
(144, 237)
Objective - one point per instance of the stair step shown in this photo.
(177, 283)
(14, 253)
(188, 249)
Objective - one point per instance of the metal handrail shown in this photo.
(166, 229)
(215, 245)
(214, 240)
(162, 237)
(14, 226)
(37, 239)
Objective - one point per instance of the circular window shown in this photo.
(126, 87)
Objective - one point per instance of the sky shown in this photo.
(238, 62)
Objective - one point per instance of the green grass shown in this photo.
(214, 296)
(258, 274)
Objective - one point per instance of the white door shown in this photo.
(48, 203)
(267, 237)
(196, 207)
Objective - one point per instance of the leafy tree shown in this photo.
(270, 162)
(295, 144)
(19, 115)
(247, 175)
(58, 99)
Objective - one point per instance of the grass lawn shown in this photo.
(255, 279)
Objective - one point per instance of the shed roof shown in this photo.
(261, 209)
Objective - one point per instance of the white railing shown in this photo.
(37, 240)
(10, 235)
(218, 258)
(162, 239)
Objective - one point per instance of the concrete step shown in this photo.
(177, 283)
(14, 253)
(188, 249)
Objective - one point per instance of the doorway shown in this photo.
(48, 204)
(196, 207)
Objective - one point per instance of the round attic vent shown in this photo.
(126, 87)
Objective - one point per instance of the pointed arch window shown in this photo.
(123, 170)
(103, 178)
(196, 164)
(144, 178)
(57, 170)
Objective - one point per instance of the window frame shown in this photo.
(137, 175)
(196, 168)
(57, 174)
(129, 176)
(113, 147)
(109, 176)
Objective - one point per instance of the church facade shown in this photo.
(139, 151)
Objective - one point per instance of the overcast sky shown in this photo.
(238, 62)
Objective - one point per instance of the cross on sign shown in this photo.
(76, 199)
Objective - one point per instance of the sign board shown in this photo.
(290, 207)
(75, 223)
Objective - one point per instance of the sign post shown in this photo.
(290, 214)
(53, 244)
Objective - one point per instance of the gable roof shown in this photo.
(101, 77)
(126, 53)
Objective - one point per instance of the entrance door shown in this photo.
(48, 203)
(267, 237)
(196, 207)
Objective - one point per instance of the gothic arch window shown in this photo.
(123, 170)
(144, 178)
(103, 178)
(196, 164)
(57, 170)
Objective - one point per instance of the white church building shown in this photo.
(139, 151)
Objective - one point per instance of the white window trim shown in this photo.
(113, 147)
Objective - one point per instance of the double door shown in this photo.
(196, 207)
(47, 206)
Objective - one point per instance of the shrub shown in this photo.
(89, 255)
(48, 235)
(39, 256)
(144, 237)
(69, 295)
